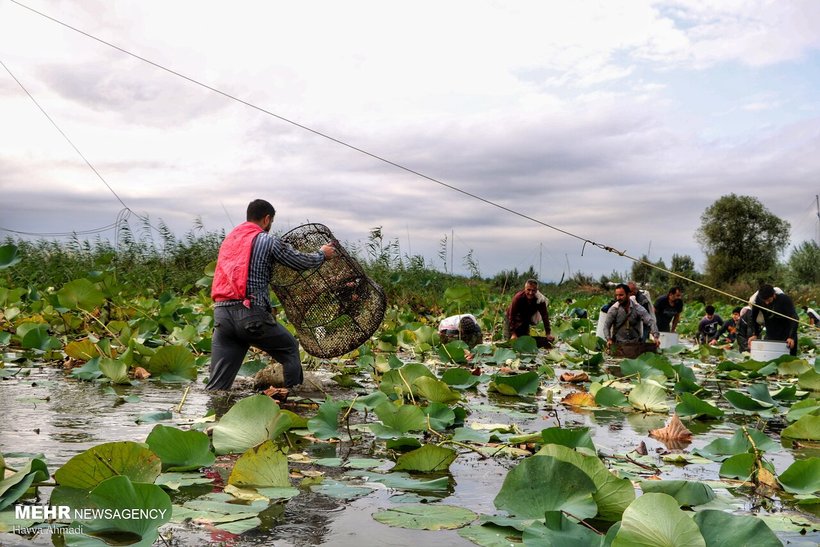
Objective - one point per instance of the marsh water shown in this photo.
(46, 412)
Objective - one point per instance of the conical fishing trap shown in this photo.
(336, 307)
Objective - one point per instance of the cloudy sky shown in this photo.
(619, 122)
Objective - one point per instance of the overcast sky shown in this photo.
(619, 122)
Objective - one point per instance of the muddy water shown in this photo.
(45, 412)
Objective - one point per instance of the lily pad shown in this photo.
(435, 390)
(806, 428)
(544, 483)
(686, 493)
(656, 520)
(340, 490)
(173, 363)
(16, 484)
(648, 397)
(248, 423)
(180, 450)
(520, 384)
(426, 459)
(721, 529)
(690, 405)
(491, 535)
(124, 458)
(430, 516)
(577, 438)
(608, 396)
(117, 498)
(80, 294)
(397, 420)
(325, 425)
(261, 466)
(802, 476)
(459, 378)
(559, 530)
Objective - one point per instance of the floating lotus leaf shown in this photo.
(570, 437)
(16, 484)
(648, 396)
(83, 350)
(607, 396)
(806, 428)
(802, 476)
(340, 490)
(459, 378)
(690, 405)
(397, 420)
(80, 294)
(325, 425)
(440, 416)
(545, 483)
(123, 458)
(809, 380)
(261, 466)
(491, 535)
(427, 459)
(742, 466)
(656, 520)
(431, 516)
(612, 495)
(180, 450)
(121, 496)
(559, 530)
(719, 449)
(401, 380)
(435, 390)
(248, 423)
(520, 384)
(687, 493)
(115, 370)
(721, 529)
(38, 338)
(173, 363)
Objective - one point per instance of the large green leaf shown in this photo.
(248, 423)
(88, 469)
(809, 380)
(544, 483)
(114, 501)
(261, 466)
(325, 425)
(38, 338)
(520, 384)
(721, 448)
(16, 484)
(806, 428)
(435, 390)
(400, 381)
(459, 378)
(559, 530)
(173, 362)
(440, 416)
(655, 520)
(744, 402)
(180, 450)
(721, 529)
(612, 495)
(115, 370)
(690, 405)
(802, 476)
(397, 420)
(741, 466)
(80, 294)
(426, 459)
(432, 516)
(9, 256)
(570, 437)
(647, 396)
(608, 396)
(686, 493)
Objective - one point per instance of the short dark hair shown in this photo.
(623, 286)
(673, 290)
(737, 310)
(258, 209)
(766, 291)
(710, 309)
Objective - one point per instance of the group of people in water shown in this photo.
(632, 318)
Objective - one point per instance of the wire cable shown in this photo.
(385, 160)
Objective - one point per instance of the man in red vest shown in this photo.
(242, 308)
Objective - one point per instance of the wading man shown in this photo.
(624, 319)
(528, 308)
(242, 308)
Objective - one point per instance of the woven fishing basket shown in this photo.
(335, 308)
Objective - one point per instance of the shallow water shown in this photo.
(46, 412)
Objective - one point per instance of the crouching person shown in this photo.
(460, 327)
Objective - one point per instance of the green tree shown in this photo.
(803, 264)
(740, 237)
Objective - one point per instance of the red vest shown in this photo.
(233, 263)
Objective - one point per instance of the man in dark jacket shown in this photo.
(738, 328)
(668, 309)
(528, 308)
(779, 317)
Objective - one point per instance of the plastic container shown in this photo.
(764, 351)
(668, 339)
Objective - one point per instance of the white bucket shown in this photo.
(765, 351)
(668, 339)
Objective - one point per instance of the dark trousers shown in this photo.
(237, 328)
